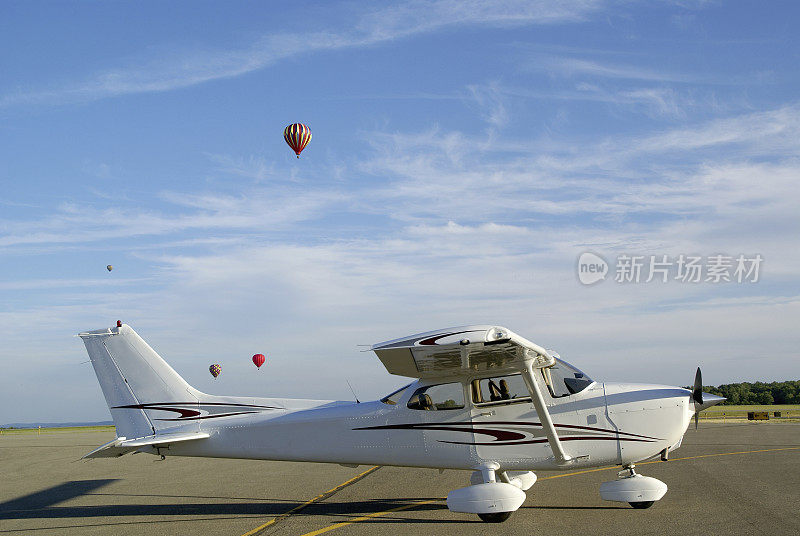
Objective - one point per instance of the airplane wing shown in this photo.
(121, 446)
(460, 351)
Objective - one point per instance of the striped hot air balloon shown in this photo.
(297, 135)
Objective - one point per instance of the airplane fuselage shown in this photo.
(605, 424)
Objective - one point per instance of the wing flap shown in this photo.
(121, 445)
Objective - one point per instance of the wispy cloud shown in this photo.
(766, 132)
(570, 66)
(250, 167)
(265, 210)
(491, 102)
(176, 70)
(656, 102)
(49, 284)
(631, 87)
(420, 16)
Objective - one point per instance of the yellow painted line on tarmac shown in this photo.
(723, 454)
(671, 460)
(312, 501)
(574, 473)
(369, 516)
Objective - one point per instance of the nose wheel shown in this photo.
(499, 517)
(637, 490)
(639, 505)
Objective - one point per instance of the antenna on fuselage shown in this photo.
(352, 391)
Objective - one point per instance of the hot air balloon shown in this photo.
(109, 267)
(258, 360)
(297, 135)
(215, 369)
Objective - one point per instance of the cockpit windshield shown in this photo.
(393, 397)
(563, 379)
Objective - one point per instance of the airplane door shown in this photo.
(504, 419)
(506, 424)
(504, 430)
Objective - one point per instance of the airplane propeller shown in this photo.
(697, 396)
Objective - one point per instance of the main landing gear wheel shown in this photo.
(641, 505)
(497, 517)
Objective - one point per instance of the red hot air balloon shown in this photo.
(215, 369)
(258, 360)
(297, 135)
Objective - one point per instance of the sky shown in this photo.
(464, 155)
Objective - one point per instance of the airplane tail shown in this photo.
(136, 381)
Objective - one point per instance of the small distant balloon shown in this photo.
(109, 267)
(215, 369)
(258, 360)
(297, 136)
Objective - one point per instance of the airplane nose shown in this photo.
(709, 400)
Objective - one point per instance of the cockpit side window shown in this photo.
(441, 396)
(394, 397)
(500, 389)
(562, 379)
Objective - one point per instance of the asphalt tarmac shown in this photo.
(741, 478)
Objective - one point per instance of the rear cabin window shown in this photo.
(442, 396)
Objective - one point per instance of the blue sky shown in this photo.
(463, 156)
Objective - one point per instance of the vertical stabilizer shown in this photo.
(134, 378)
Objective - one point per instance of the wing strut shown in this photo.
(560, 456)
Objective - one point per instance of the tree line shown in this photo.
(744, 393)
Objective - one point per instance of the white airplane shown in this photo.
(485, 400)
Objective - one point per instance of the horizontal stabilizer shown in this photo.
(121, 446)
